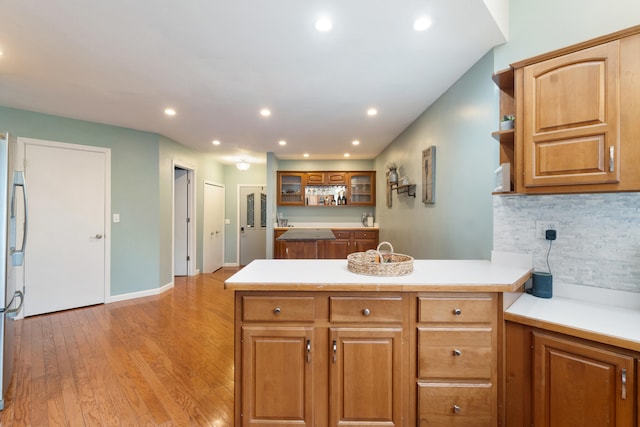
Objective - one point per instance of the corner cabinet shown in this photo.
(555, 380)
(576, 110)
(296, 188)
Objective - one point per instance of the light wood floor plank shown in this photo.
(164, 360)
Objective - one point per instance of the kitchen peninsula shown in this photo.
(318, 345)
(306, 243)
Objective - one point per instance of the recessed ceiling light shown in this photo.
(282, 142)
(323, 25)
(356, 142)
(265, 112)
(170, 112)
(347, 154)
(215, 142)
(372, 112)
(305, 155)
(422, 23)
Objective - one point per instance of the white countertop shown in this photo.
(428, 275)
(599, 322)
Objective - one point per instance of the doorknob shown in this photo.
(98, 236)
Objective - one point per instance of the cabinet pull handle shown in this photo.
(308, 351)
(456, 352)
(456, 409)
(611, 157)
(286, 251)
(457, 311)
(335, 351)
(276, 310)
(366, 312)
(624, 385)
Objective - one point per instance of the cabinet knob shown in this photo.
(456, 352)
(456, 409)
(457, 311)
(366, 312)
(277, 310)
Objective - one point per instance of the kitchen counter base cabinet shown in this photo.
(316, 358)
(567, 382)
(347, 241)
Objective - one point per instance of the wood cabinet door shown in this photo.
(303, 249)
(571, 118)
(580, 385)
(361, 189)
(291, 186)
(336, 249)
(277, 376)
(366, 377)
(365, 240)
(315, 178)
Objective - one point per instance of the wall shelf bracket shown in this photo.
(408, 189)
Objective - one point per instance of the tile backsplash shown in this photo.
(598, 240)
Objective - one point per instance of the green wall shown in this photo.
(141, 191)
(540, 26)
(459, 125)
(135, 263)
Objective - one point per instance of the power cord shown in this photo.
(550, 235)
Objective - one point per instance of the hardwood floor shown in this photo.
(165, 360)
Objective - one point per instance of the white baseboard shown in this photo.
(140, 294)
(231, 264)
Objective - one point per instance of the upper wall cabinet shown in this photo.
(576, 118)
(571, 120)
(291, 188)
(297, 188)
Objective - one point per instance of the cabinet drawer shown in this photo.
(476, 309)
(455, 353)
(468, 405)
(356, 309)
(358, 235)
(278, 309)
(342, 234)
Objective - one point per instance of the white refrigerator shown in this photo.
(13, 234)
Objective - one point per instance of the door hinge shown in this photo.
(188, 220)
(188, 258)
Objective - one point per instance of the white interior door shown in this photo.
(253, 223)
(213, 225)
(65, 261)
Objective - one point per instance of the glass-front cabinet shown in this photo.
(362, 188)
(291, 188)
(330, 188)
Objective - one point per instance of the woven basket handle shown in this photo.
(385, 243)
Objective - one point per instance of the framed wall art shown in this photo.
(429, 175)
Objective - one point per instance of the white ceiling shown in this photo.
(218, 62)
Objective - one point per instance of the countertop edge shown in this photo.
(574, 330)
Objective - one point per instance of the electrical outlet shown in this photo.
(543, 226)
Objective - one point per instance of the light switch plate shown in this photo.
(116, 217)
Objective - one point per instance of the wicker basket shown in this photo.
(380, 263)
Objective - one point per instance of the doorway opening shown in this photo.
(183, 220)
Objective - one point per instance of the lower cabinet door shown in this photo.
(455, 405)
(581, 385)
(366, 377)
(277, 376)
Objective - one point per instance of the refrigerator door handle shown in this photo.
(17, 256)
(13, 312)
